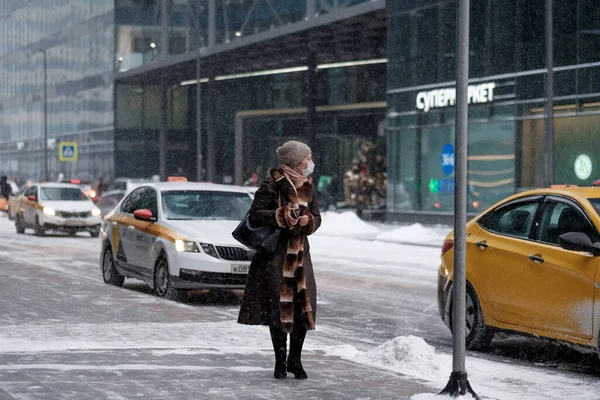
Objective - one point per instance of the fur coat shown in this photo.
(275, 281)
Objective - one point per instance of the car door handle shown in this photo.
(536, 258)
(482, 245)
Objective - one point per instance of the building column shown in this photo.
(549, 122)
(212, 30)
(164, 53)
(162, 134)
(211, 152)
(310, 97)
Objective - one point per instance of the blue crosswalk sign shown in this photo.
(67, 151)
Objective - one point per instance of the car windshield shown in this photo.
(62, 194)
(596, 204)
(205, 205)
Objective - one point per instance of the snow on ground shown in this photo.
(412, 356)
(415, 234)
(379, 256)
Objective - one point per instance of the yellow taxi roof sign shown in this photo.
(177, 179)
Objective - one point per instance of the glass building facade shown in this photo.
(507, 94)
(67, 47)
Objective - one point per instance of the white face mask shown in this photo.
(310, 167)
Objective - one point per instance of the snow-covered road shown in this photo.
(377, 308)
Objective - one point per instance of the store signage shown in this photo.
(448, 159)
(583, 167)
(439, 98)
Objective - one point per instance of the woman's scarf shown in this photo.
(295, 178)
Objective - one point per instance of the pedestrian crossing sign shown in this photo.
(67, 151)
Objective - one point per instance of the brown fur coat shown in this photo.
(275, 281)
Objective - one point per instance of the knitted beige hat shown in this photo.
(292, 153)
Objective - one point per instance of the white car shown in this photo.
(177, 236)
(57, 206)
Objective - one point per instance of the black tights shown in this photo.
(279, 339)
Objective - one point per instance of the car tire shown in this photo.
(109, 272)
(39, 229)
(478, 335)
(163, 281)
(19, 225)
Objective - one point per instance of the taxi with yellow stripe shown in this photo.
(532, 267)
(177, 236)
(58, 207)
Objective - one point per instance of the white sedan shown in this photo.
(177, 236)
(59, 207)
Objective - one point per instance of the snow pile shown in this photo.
(409, 355)
(344, 351)
(415, 233)
(345, 224)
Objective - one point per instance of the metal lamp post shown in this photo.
(458, 384)
(46, 175)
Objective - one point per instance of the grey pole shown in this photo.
(199, 169)
(458, 384)
(549, 123)
(46, 175)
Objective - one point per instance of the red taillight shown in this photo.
(448, 244)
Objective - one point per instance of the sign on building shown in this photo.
(67, 151)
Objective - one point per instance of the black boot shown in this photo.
(294, 363)
(279, 339)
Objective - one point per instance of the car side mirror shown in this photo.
(32, 197)
(144, 215)
(578, 241)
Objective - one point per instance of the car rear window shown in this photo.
(62, 194)
(205, 205)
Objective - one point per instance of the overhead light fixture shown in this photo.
(121, 59)
(193, 82)
(153, 45)
(261, 73)
(238, 34)
(353, 63)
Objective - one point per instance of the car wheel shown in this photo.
(39, 229)
(163, 282)
(109, 273)
(19, 225)
(478, 335)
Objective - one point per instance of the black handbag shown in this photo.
(262, 239)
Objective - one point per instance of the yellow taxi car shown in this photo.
(176, 236)
(532, 268)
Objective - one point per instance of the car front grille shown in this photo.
(234, 253)
(73, 214)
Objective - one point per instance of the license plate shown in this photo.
(240, 269)
(73, 223)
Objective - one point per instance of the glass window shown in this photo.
(205, 205)
(149, 202)
(577, 150)
(514, 219)
(62, 194)
(560, 218)
(133, 201)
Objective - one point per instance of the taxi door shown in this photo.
(145, 232)
(124, 229)
(500, 268)
(564, 280)
(29, 206)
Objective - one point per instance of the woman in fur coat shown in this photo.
(280, 290)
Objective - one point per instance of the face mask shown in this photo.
(310, 167)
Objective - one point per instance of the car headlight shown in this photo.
(186, 246)
(49, 211)
(209, 249)
(96, 212)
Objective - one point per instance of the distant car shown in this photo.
(532, 268)
(177, 236)
(109, 200)
(13, 203)
(57, 206)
